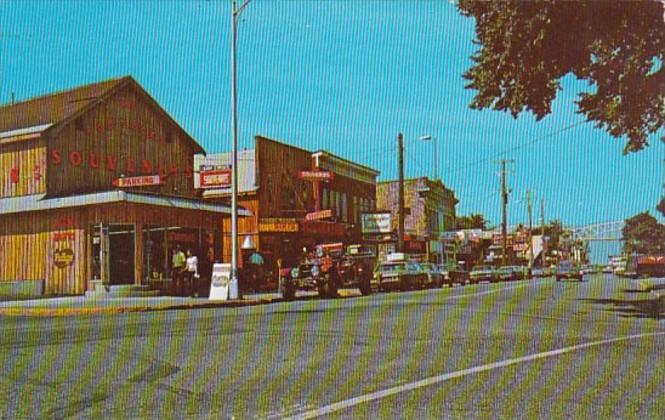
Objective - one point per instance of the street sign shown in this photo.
(215, 179)
(138, 181)
(318, 215)
(220, 281)
(316, 175)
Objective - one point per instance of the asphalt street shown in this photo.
(525, 349)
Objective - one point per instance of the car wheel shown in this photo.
(365, 287)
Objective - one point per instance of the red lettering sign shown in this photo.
(93, 160)
(75, 158)
(14, 175)
(56, 156)
(138, 181)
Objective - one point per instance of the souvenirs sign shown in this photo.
(215, 179)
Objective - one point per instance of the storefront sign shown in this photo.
(318, 215)
(215, 179)
(138, 181)
(376, 223)
(316, 175)
(63, 257)
(278, 225)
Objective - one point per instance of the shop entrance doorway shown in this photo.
(121, 254)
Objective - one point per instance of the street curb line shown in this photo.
(64, 312)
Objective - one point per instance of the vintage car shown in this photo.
(398, 273)
(567, 270)
(434, 276)
(481, 273)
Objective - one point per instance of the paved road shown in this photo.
(514, 350)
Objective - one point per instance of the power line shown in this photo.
(511, 149)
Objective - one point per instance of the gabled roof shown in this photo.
(57, 109)
(53, 108)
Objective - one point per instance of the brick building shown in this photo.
(429, 211)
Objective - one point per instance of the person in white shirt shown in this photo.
(191, 274)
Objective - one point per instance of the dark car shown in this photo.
(434, 276)
(568, 270)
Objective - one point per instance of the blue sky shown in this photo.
(343, 76)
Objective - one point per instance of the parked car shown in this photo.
(443, 269)
(567, 270)
(398, 275)
(457, 275)
(505, 273)
(541, 272)
(434, 276)
(481, 273)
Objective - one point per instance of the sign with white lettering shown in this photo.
(376, 222)
(215, 179)
(318, 215)
(316, 175)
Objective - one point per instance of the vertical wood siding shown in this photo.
(22, 168)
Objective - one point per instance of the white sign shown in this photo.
(376, 223)
(219, 284)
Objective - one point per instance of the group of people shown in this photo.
(185, 272)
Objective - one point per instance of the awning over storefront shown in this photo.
(40, 202)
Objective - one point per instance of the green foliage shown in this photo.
(554, 230)
(643, 234)
(474, 221)
(526, 47)
(661, 206)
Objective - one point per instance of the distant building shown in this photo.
(429, 212)
(298, 198)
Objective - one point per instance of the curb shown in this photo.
(64, 312)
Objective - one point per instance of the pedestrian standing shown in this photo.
(178, 262)
(191, 274)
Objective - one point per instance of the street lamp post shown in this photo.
(233, 286)
(436, 157)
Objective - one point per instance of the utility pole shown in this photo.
(400, 198)
(504, 202)
(528, 199)
(542, 230)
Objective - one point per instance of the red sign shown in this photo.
(316, 175)
(318, 215)
(138, 181)
(215, 179)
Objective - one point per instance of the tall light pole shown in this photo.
(233, 286)
(436, 157)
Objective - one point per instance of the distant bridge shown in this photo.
(604, 231)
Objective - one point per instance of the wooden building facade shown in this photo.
(289, 210)
(96, 184)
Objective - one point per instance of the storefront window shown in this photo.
(155, 253)
(345, 208)
(324, 201)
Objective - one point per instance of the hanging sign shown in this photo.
(318, 215)
(316, 175)
(138, 181)
(215, 179)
